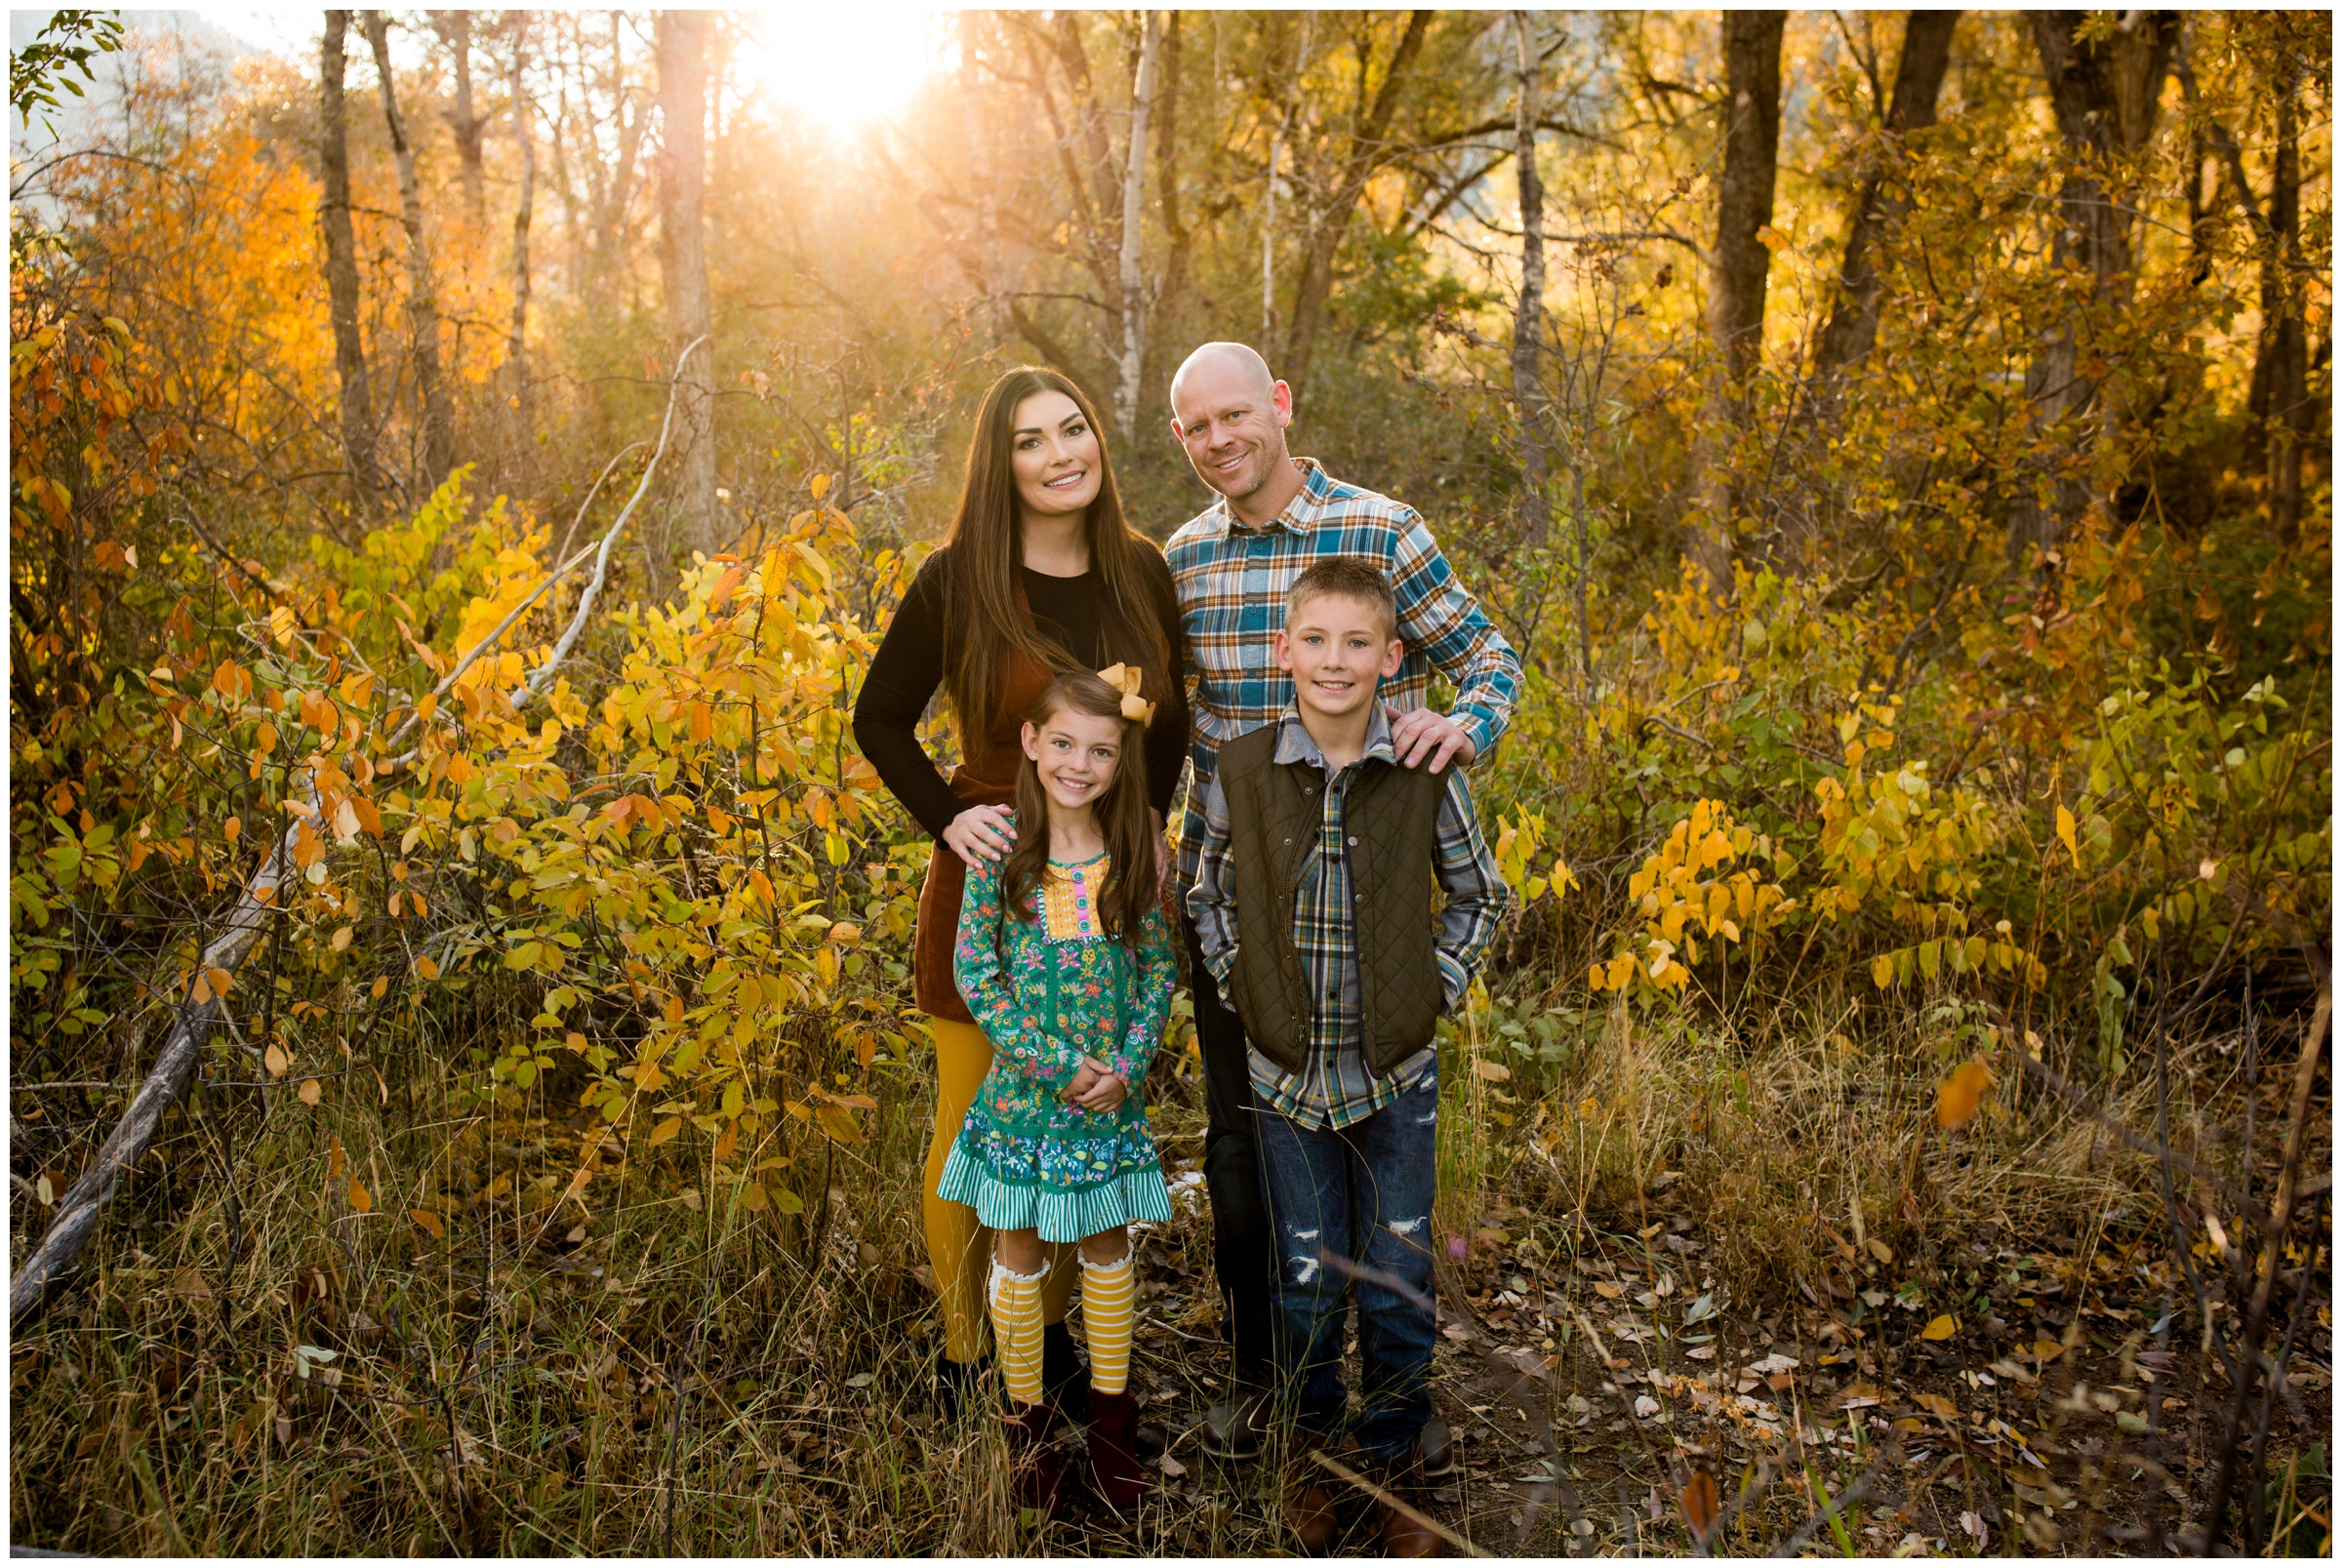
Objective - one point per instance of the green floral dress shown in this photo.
(1046, 992)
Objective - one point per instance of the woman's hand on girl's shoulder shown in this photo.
(982, 833)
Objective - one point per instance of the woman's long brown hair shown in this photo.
(1123, 818)
(982, 624)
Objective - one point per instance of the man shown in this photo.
(1232, 564)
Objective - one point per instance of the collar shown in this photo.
(1295, 743)
(1300, 515)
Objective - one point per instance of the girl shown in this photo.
(1064, 958)
(1040, 574)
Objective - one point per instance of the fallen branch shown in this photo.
(78, 1212)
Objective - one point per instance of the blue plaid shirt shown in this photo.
(1334, 1088)
(1231, 582)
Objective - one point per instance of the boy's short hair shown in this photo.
(1345, 577)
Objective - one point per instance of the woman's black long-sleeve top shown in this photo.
(909, 667)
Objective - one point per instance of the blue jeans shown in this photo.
(1363, 1193)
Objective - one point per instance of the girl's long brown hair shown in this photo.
(982, 626)
(1122, 814)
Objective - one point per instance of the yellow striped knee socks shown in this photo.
(1109, 1303)
(1016, 1301)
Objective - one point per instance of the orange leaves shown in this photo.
(1702, 1505)
(1959, 1097)
(635, 807)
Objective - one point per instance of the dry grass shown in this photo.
(513, 1386)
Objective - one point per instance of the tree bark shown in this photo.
(1738, 270)
(1369, 149)
(1166, 140)
(2281, 372)
(983, 185)
(2104, 96)
(463, 117)
(516, 344)
(1853, 324)
(1132, 270)
(342, 262)
(423, 304)
(682, 50)
(1528, 317)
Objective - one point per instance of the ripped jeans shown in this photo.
(1366, 1192)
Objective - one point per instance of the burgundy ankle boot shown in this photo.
(1038, 1469)
(1113, 1450)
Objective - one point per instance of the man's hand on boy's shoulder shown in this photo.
(1419, 735)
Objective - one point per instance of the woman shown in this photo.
(1040, 574)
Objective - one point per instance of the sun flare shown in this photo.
(838, 67)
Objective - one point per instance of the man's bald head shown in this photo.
(1224, 366)
(1231, 415)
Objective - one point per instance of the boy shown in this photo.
(1312, 905)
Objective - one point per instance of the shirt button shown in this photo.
(1353, 840)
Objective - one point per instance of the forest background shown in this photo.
(457, 477)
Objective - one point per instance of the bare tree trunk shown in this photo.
(1276, 150)
(1134, 209)
(2281, 372)
(422, 306)
(982, 186)
(1165, 141)
(1737, 274)
(342, 262)
(2104, 95)
(1369, 149)
(463, 118)
(1528, 318)
(516, 344)
(1853, 324)
(682, 48)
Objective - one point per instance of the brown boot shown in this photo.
(1036, 1468)
(1404, 1534)
(1309, 1502)
(1113, 1450)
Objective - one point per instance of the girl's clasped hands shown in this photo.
(1095, 1087)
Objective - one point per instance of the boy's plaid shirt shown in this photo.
(1231, 582)
(1334, 1088)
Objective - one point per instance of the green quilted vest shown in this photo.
(1391, 820)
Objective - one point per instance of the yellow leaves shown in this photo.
(230, 828)
(2065, 833)
(666, 1131)
(1941, 1327)
(431, 1222)
(1490, 1071)
(1936, 1403)
(427, 968)
(1959, 1097)
(360, 1200)
(275, 1060)
(342, 938)
(210, 983)
(1606, 1290)
(309, 1091)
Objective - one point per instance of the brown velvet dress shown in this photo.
(990, 781)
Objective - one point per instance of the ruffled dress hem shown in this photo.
(1065, 1215)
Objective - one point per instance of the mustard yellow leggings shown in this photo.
(958, 1248)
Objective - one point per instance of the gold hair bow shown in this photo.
(1126, 679)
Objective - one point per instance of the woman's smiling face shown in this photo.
(1054, 452)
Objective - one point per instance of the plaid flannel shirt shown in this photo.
(1334, 1088)
(1231, 582)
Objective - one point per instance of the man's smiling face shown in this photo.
(1231, 418)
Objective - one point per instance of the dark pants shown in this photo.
(1241, 1248)
(1365, 1194)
